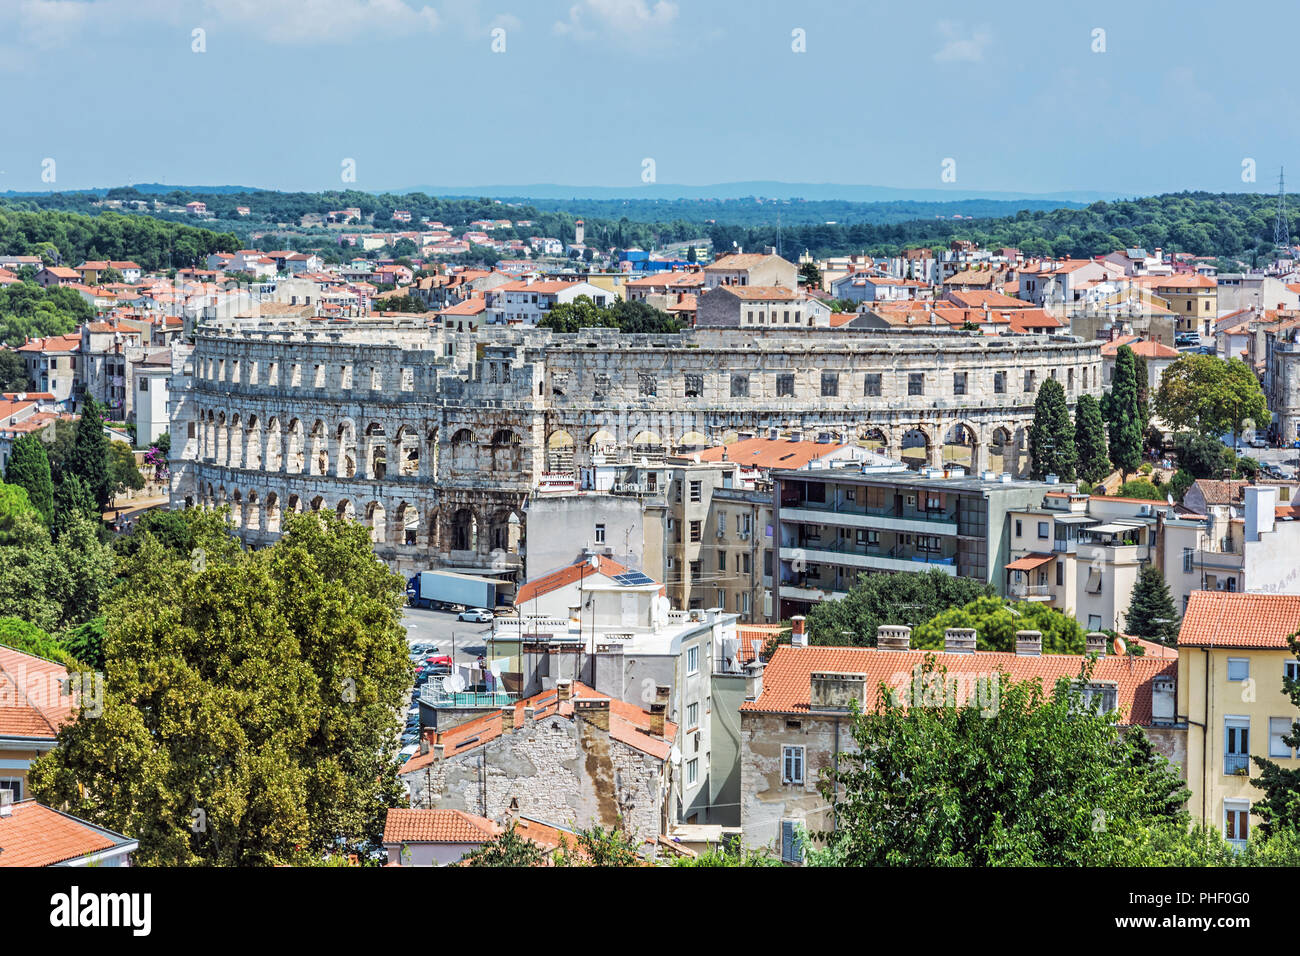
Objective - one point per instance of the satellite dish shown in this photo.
(454, 683)
(675, 755)
(1120, 647)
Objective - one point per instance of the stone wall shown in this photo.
(435, 439)
(562, 771)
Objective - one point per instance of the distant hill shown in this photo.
(766, 188)
(148, 188)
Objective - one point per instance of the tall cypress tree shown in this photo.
(1051, 436)
(1151, 611)
(72, 500)
(1123, 420)
(1090, 440)
(29, 467)
(1142, 379)
(89, 457)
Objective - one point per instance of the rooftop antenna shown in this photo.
(1281, 224)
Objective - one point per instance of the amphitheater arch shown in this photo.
(916, 448)
(559, 451)
(961, 447)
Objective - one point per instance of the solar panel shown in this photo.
(634, 578)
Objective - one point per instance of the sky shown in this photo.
(294, 94)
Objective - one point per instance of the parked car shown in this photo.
(1257, 443)
(476, 615)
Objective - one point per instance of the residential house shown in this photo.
(569, 754)
(32, 834)
(796, 722)
(1232, 657)
(761, 269)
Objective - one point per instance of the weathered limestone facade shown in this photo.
(568, 771)
(435, 438)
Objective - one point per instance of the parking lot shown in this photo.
(441, 629)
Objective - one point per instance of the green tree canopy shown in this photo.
(13, 372)
(996, 623)
(1051, 436)
(251, 699)
(54, 584)
(1151, 612)
(29, 467)
(1090, 440)
(88, 459)
(123, 473)
(73, 502)
(1119, 407)
(15, 507)
(900, 597)
(1279, 807)
(1211, 396)
(1033, 780)
(30, 639)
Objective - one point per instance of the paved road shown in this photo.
(442, 628)
(131, 510)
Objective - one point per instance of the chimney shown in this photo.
(662, 691)
(1029, 643)
(959, 640)
(798, 637)
(893, 637)
(424, 741)
(563, 689)
(6, 803)
(1094, 642)
(657, 711)
(507, 720)
(594, 710)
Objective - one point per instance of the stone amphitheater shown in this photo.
(435, 439)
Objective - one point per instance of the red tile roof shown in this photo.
(1029, 562)
(547, 583)
(786, 679)
(32, 700)
(1239, 619)
(35, 835)
(437, 826)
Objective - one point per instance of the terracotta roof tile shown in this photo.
(35, 835)
(786, 679)
(437, 826)
(1239, 619)
(32, 700)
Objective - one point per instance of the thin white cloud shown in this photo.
(962, 45)
(294, 22)
(620, 20)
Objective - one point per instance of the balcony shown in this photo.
(1031, 592)
(894, 559)
(433, 695)
(1234, 764)
(857, 516)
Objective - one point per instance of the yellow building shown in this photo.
(1232, 655)
(1194, 299)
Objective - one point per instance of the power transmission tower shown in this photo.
(1281, 224)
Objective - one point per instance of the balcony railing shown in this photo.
(465, 700)
(1031, 590)
(1234, 763)
(846, 508)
